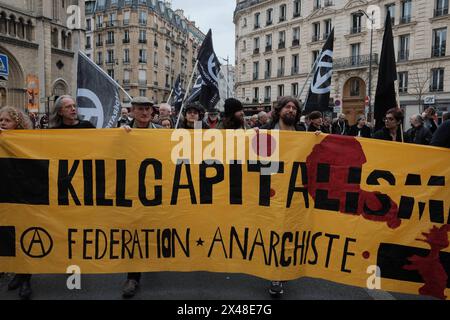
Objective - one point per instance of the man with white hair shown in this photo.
(418, 133)
(263, 119)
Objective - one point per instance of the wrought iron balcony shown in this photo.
(315, 38)
(268, 48)
(403, 55)
(294, 70)
(405, 19)
(280, 73)
(255, 75)
(281, 45)
(440, 11)
(438, 51)
(267, 75)
(295, 42)
(256, 51)
(355, 61)
(354, 30)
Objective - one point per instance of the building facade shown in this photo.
(39, 39)
(277, 42)
(144, 45)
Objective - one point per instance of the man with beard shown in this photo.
(234, 115)
(285, 116)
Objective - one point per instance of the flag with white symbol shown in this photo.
(319, 93)
(98, 97)
(209, 68)
(178, 93)
(196, 90)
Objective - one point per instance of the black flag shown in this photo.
(385, 98)
(178, 94)
(97, 94)
(209, 68)
(319, 93)
(196, 90)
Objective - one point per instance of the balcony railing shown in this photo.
(438, 51)
(325, 35)
(405, 19)
(281, 45)
(111, 23)
(354, 30)
(141, 60)
(280, 72)
(126, 61)
(268, 23)
(109, 42)
(267, 99)
(296, 14)
(328, 3)
(99, 43)
(126, 81)
(142, 40)
(440, 11)
(436, 87)
(315, 38)
(142, 82)
(295, 42)
(268, 48)
(355, 61)
(403, 55)
(126, 41)
(255, 75)
(256, 26)
(282, 18)
(294, 70)
(256, 51)
(267, 75)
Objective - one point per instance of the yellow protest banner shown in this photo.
(277, 205)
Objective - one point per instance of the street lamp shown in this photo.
(370, 113)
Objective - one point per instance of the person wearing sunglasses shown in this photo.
(392, 130)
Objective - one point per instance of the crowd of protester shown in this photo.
(286, 115)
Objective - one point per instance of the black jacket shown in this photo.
(419, 135)
(441, 138)
(383, 134)
(365, 131)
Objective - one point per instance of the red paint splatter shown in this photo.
(366, 254)
(341, 153)
(430, 267)
(263, 144)
(272, 193)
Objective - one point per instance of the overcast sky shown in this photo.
(214, 14)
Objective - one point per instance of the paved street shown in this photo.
(194, 286)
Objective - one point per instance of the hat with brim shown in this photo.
(142, 101)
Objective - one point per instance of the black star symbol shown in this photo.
(200, 242)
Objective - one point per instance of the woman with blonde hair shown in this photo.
(12, 118)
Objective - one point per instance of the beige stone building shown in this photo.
(144, 45)
(39, 38)
(277, 42)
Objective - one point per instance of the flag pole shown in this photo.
(170, 96)
(106, 74)
(185, 94)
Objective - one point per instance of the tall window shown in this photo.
(437, 79)
(280, 72)
(356, 23)
(294, 89)
(281, 39)
(268, 42)
(257, 25)
(142, 17)
(439, 42)
(269, 17)
(126, 18)
(403, 53)
(281, 90)
(255, 70)
(296, 36)
(268, 69)
(255, 94)
(441, 8)
(406, 11)
(267, 93)
(355, 50)
(403, 81)
(295, 64)
(328, 28)
(297, 8)
(256, 45)
(391, 8)
(142, 56)
(316, 31)
(126, 55)
(282, 13)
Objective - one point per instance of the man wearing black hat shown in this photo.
(234, 115)
(193, 113)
